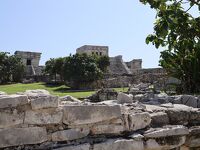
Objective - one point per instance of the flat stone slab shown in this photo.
(7, 101)
(120, 144)
(43, 102)
(178, 130)
(164, 143)
(89, 114)
(43, 117)
(78, 147)
(159, 119)
(71, 134)
(10, 119)
(107, 129)
(22, 136)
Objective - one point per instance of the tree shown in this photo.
(50, 68)
(178, 31)
(11, 68)
(81, 69)
(54, 67)
(103, 63)
(17, 68)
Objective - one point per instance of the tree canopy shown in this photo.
(11, 68)
(177, 30)
(78, 69)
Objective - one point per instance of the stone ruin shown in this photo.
(36, 120)
(31, 62)
(117, 65)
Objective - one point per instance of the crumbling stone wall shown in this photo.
(38, 120)
(93, 50)
(31, 62)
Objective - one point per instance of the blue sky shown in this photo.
(57, 27)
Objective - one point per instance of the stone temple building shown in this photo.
(31, 61)
(117, 65)
(92, 49)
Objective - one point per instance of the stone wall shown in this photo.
(92, 49)
(31, 62)
(32, 56)
(37, 120)
(118, 66)
(134, 65)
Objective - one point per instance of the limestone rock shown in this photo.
(136, 136)
(78, 147)
(89, 114)
(10, 119)
(159, 119)
(124, 98)
(12, 100)
(120, 144)
(22, 136)
(167, 131)
(107, 129)
(188, 100)
(38, 92)
(43, 102)
(154, 108)
(70, 98)
(43, 117)
(179, 114)
(138, 121)
(165, 143)
(71, 134)
(193, 140)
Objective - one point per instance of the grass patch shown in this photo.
(59, 90)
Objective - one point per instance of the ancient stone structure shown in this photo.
(93, 50)
(31, 61)
(134, 65)
(117, 65)
(36, 120)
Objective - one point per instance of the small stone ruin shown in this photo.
(36, 120)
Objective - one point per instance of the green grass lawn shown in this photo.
(59, 90)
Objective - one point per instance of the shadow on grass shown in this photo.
(64, 90)
(59, 88)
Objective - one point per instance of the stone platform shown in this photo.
(37, 120)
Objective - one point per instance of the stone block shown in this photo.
(107, 129)
(120, 144)
(22, 136)
(164, 143)
(166, 131)
(71, 134)
(10, 119)
(43, 102)
(89, 114)
(189, 100)
(138, 121)
(7, 101)
(193, 139)
(179, 114)
(124, 98)
(78, 147)
(159, 119)
(42, 117)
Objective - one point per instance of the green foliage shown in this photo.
(55, 66)
(78, 69)
(178, 31)
(103, 62)
(81, 69)
(11, 68)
